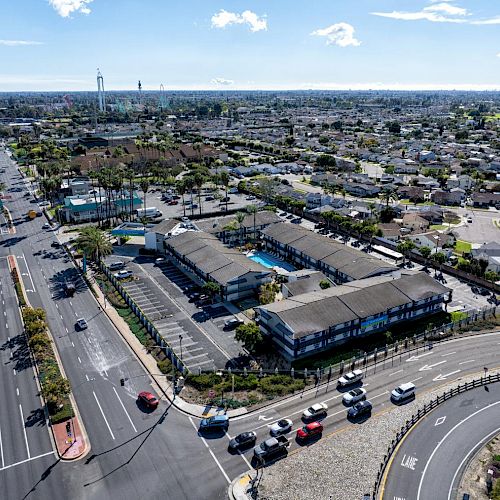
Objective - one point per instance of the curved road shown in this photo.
(432, 459)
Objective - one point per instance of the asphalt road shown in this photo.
(433, 457)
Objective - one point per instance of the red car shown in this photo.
(148, 399)
(309, 430)
(173, 202)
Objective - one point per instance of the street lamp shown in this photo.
(180, 342)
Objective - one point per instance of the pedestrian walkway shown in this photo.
(69, 439)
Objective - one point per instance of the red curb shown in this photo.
(69, 439)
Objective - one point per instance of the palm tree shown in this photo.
(189, 183)
(144, 184)
(94, 243)
(224, 179)
(180, 187)
(240, 217)
(388, 195)
(252, 209)
(198, 182)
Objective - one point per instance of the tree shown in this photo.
(438, 258)
(198, 182)
(394, 127)
(324, 284)
(224, 179)
(388, 195)
(252, 209)
(211, 288)
(180, 187)
(144, 184)
(425, 252)
(249, 335)
(240, 217)
(94, 243)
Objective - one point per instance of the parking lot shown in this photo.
(193, 333)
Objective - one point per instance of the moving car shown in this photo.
(46, 225)
(250, 198)
(402, 392)
(315, 411)
(359, 409)
(354, 396)
(350, 378)
(148, 399)
(469, 220)
(242, 441)
(231, 323)
(159, 260)
(215, 423)
(122, 274)
(81, 324)
(115, 266)
(309, 430)
(283, 426)
(270, 448)
(55, 244)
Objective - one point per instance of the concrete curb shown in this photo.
(238, 489)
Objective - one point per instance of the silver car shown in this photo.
(352, 397)
(283, 426)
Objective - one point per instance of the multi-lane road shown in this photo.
(158, 454)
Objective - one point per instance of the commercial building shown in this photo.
(204, 255)
(338, 262)
(316, 321)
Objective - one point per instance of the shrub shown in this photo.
(165, 366)
(65, 413)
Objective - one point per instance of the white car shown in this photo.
(354, 396)
(350, 378)
(122, 274)
(46, 226)
(283, 426)
(315, 411)
(115, 266)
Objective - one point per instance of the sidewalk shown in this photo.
(240, 488)
(149, 363)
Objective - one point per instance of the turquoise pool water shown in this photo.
(269, 261)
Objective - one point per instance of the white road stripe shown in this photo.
(24, 430)
(414, 380)
(87, 377)
(27, 460)
(468, 361)
(448, 354)
(79, 360)
(394, 373)
(1, 449)
(211, 452)
(126, 412)
(103, 416)
(72, 344)
(17, 390)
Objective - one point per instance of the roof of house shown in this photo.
(319, 310)
(213, 258)
(309, 283)
(346, 260)
(217, 225)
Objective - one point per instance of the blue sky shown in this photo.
(250, 44)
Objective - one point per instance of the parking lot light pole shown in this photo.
(180, 342)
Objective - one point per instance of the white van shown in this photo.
(149, 212)
(404, 391)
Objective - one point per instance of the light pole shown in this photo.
(180, 344)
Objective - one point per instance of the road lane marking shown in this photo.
(445, 376)
(1, 448)
(468, 361)
(242, 455)
(27, 460)
(29, 274)
(444, 439)
(87, 377)
(67, 331)
(430, 367)
(126, 412)
(17, 390)
(72, 344)
(416, 358)
(414, 380)
(103, 416)
(448, 354)
(211, 452)
(24, 430)
(79, 360)
(394, 373)
(439, 421)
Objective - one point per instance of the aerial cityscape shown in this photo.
(250, 250)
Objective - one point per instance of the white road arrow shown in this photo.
(416, 358)
(444, 377)
(263, 417)
(430, 367)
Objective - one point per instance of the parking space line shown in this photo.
(126, 412)
(1, 448)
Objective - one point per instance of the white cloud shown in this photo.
(66, 7)
(493, 20)
(224, 18)
(221, 81)
(498, 55)
(341, 34)
(447, 8)
(438, 12)
(19, 43)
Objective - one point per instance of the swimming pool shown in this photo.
(269, 261)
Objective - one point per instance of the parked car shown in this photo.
(160, 260)
(46, 226)
(283, 426)
(297, 220)
(309, 430)
(360, 409)
(117, 265)
(242, 441)
(55, 244)
(215, 423)
(226, 198)
(250, 198)
(315, 411)
(81, 324)
(209, 198)
(354, 396)
(121, 275)
(469, 220)
(229, 324)
(173, 202)
(148, 399)
(403, 391)
(350, 378)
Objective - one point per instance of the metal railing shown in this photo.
(420, 414)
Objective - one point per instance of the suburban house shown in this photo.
(485, 199)
(413, 193)
(453, 197)
(434, 240)
(465, 182)
(390, 231)
(205, 256)
(491, 253)
(414, 222)
(304, 248)
(304, 281)
(312, 322)
(363, 190)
